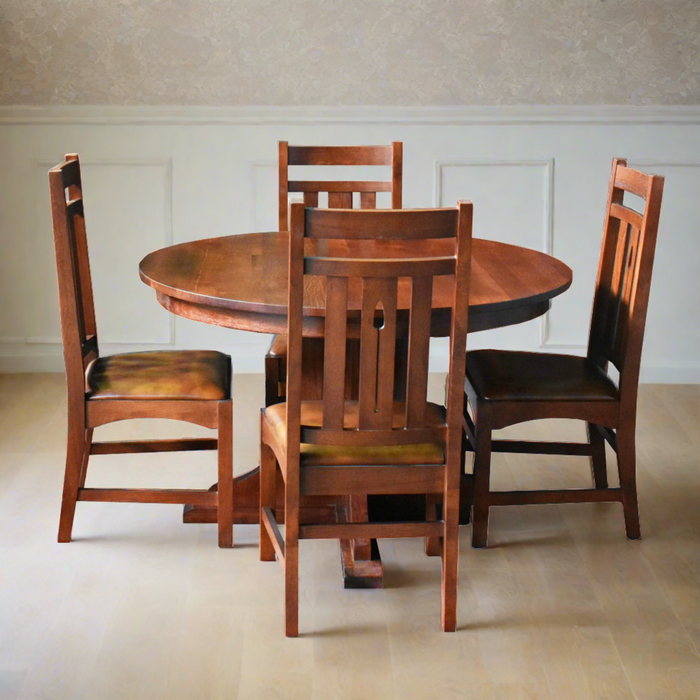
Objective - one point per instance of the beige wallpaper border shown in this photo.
(522, 114)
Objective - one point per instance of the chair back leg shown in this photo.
(482, 480)
(626, 463)
(77, 453)
(224, 506)
(598, 464)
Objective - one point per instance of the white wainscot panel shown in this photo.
(672, 339)
(264, 199)
(513, 204)
(127, 214)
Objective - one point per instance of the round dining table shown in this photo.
(240, 282)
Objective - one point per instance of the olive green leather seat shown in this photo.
(312, 415)
(166, 375)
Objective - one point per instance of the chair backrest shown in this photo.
(78, 325)
(370, 260)
(339, 192)
(624, 275)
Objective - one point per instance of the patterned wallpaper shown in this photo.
(349, 52)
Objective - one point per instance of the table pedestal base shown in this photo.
(361, 573)
(358, 569)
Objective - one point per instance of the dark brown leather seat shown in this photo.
(167, 375)
(499, 375)
(312, 415)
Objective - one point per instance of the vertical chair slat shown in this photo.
(418, 351)
(369, 343)
(396, 174)
(335, 332)
(386, 355)
(377, 352)
(605, 299)
(368, 200)
(311, 199)
(340, 200)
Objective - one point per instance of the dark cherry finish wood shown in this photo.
(240, 282)
(311, 442)
(505, 388)
(85, 411)
(340, 195)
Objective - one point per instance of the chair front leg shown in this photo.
(482, 479)
(291, 557)
(450, 548)
(77, 453)
(268, 479)
(626, 462)
(598, 463)
(224, 503)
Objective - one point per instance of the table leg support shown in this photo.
(360, 559)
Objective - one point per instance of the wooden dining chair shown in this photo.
(340, 196)
(374, 445)
(191, 386)
(504, 388)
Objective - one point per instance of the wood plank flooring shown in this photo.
(141, 606)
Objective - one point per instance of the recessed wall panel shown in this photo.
(127, 215)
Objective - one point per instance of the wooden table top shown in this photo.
(241, 282)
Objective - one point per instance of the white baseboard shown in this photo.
(250, 361)
(17, 358)
(671, 373)
(653, 373)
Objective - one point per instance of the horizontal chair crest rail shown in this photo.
(340, 155)
(343, 186)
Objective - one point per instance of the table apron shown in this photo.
(479, 320)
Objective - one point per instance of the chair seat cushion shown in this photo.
(163, 375)
(500, 375)
(312, 414)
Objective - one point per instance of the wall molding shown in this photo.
(670, 371)
(16, 356)
(257, 115)
(548, 165)
(167, 165)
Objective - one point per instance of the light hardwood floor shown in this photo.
(141, 606)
